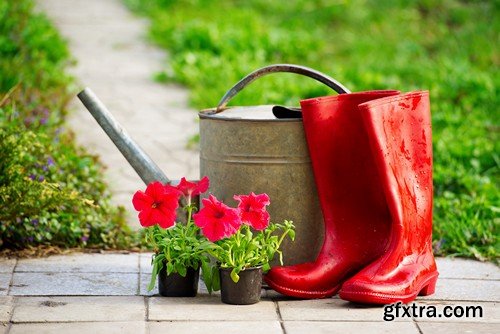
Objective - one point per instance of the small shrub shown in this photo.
(51, 191)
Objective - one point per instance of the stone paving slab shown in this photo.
(454, 328)
(74, 284)
(6, 305)
(145, 263)
(4, 284)
(80, 328)
(330, 309)
(465, 289)
(85, 263)
(78, 309)
(208, 308)
(216, 327)
(466, 268)
(7, 265)
(323, 327)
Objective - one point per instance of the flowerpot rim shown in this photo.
(199, 263)
(244, 269)
(164, 268)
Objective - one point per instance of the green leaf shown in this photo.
(154, 273)
(234, 275)
(170, 268)
(195, 265)
(215, 278)
(206, 272)
(182, 270)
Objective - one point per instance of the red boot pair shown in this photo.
(372, 160)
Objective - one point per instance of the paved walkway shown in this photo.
(114, 60)
(106, 293)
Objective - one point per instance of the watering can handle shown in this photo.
(290, 68)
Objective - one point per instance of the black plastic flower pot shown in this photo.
(248, 289)
(174, 285)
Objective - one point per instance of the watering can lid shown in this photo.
(251, 113)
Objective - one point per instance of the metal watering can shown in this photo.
(245, 149)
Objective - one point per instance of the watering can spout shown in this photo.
(135, 155)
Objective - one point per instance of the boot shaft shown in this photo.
(401, 140)
(352, 200)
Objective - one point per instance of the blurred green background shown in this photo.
(449, 47)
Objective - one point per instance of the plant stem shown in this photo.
(283, 237)
(190, 212)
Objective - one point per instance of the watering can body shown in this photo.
(243, 151)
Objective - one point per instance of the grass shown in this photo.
(446, 46)
(52, 194)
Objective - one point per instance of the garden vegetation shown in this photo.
(51, 191)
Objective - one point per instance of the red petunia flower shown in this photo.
(190, 189)
(216, 219)
(157, 205)
(253, 210)
(193, 188)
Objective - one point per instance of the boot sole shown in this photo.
(427, 288)
(303, 293)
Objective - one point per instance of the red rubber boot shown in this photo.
(356, 216)
(399, 129)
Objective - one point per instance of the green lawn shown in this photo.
(448, 47)
(51, 191)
